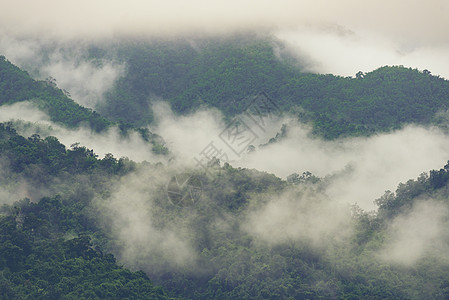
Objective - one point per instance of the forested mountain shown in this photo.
(16, 85)
(77, 226)
(45, 245)
(56, 246)
(225, 73)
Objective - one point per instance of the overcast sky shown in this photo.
(340, 37)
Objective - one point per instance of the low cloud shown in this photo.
(29, 120)
(12, 187)
(86, 80)
(339, 37)
(419, 233)
(299, 215)
(344, 52)
(141, 239)
(189, 136)
(357, 170)
(103, 18)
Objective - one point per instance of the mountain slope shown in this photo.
(56, 243)
(251, 235)
(47, 249)
(225, 73)
(16, 85)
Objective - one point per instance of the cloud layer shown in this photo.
(340, 37)
(416, 234)
(30, 120)
(86, 80)
(358, 170)
(401, 19)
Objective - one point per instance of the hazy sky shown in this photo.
(337, 36)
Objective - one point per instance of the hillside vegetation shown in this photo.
(77, 226)
(16, 85)
(56, 245)
(226, 73)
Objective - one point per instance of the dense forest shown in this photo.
(17, 85)
(74, 225)
(55, 246)
(225, 73)
(46, 244)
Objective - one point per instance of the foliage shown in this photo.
(52, 245)
(16, 85)
(54, 248)
(39, 262)
(46, 247)
(426, 186)
(50, 156)
(225, 73)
